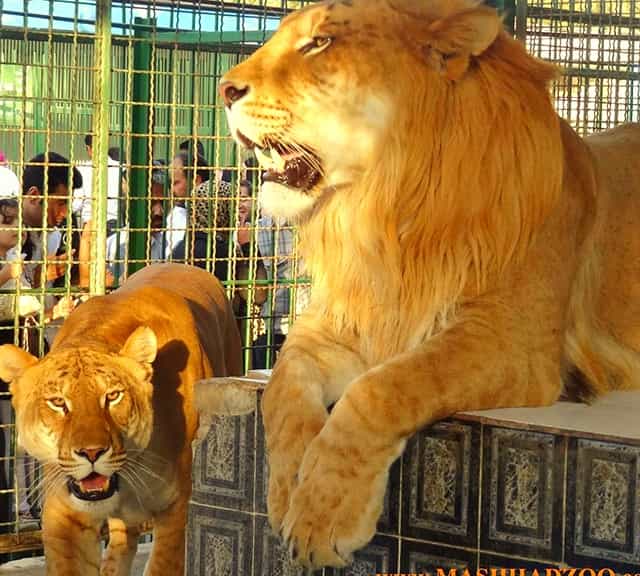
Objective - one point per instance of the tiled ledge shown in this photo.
(613, 417)
(518, 488)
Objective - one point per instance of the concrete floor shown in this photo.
(35, 566)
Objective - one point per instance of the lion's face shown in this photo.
(321, 99)
(87, 414)
(314, 118)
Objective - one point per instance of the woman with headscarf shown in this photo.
(206, 233)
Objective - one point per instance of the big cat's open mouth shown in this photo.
(288, 164)
(93, 487)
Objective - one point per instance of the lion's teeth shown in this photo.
(271, 159)
(264, 158)
(278, 160)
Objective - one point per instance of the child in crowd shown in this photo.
(14, 248)
(12, 244)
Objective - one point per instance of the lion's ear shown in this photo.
(449, 42)
(141, 346)
(469, 32)
(14, 361)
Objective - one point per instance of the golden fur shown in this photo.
(151, 340)
(468, 250)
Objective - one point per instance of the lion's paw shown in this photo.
(285, 457)
(334, 509)
(282, 480)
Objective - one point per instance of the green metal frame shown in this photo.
(101, 143)
(138, 179)
(213, 38)
(508, 9)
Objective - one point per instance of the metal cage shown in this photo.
(140, 79)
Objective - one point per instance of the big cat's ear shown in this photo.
(14, 361)
(141, 346)
(468, 32)
(447, 33)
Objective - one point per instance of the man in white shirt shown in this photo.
(176, 226)
(182, 182)
(118, 243)
(82, 196)
(34, 218)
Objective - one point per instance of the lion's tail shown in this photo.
(597, 362)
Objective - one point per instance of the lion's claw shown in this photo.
(334, 509)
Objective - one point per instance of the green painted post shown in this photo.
(508, 9)
(100, 147)
(38, 103)
(214, 38)
(138, 191)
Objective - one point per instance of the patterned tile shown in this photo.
(488, 561)
(603, 520)
(379, 557)
(389, 522)
(423, 558)
(262, 468)
(219, 542)
(389, 518)
(223, 467)
(440, 484)
(523, 492)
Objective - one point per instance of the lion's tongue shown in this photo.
(94, 482)
(297, 174)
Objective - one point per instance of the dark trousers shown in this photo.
(6, 498)
(7, 512)
(262, 348)
(201, 254)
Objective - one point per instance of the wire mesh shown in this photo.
(118, 89)
(597, 45)
(127, 93)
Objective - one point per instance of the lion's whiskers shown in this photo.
(147, 455)
(145, 468)
(137, 485)
(48, 482)
(284, 139)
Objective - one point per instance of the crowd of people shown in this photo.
(194, 216)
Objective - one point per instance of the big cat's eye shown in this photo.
(57, 404)
(113, 397)
(316, 45)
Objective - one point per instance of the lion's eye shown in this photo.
(113, 397)
(316, 45)
(57, 404)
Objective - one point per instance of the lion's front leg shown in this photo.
(123, 544)
(473, 365)
(167, 553)
(71, 540)
(336, 505)
(293, 413)
(311, 373)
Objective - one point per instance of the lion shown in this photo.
(110, 412)
(467, 249)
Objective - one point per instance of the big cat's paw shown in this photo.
(334, 508)
(285, 454)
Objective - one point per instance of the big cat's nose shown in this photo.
(91, 454)
(231, 93)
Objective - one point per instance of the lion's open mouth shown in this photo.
(291, 165)
(93, 487)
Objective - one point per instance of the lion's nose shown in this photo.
(91, 454)
(231, 93)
